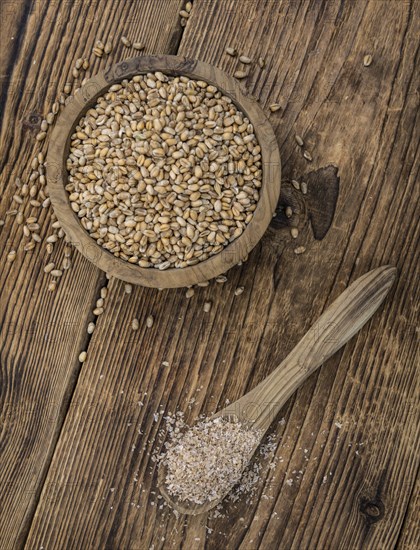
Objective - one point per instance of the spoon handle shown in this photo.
(339, 322)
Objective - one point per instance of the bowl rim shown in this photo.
(77, 105)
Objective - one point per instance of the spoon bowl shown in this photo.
(183, 506)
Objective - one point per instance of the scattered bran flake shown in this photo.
(205, 461)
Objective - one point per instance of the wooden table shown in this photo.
(76, 466)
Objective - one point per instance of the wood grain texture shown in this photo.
(14, 16)
(347, 457)
(58, 152)
(409, 538)
(42, 333)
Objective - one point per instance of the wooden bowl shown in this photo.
(57, 176)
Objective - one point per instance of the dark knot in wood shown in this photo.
(32, 121)
(323, 189)
(372, 509)
(316, 206)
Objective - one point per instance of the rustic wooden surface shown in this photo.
(42, 334)
(76, 469)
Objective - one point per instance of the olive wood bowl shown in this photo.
(57, 176)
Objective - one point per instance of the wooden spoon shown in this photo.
(339, 322)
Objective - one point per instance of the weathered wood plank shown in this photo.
(346, 456)
(410, 533)
(15, 15)
(42, 333)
